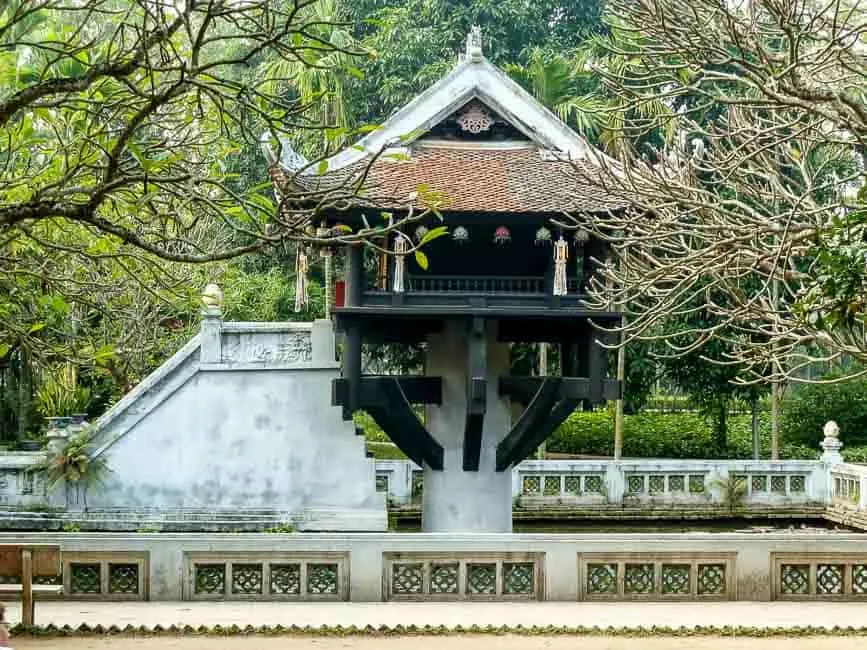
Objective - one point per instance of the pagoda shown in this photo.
(512, 268)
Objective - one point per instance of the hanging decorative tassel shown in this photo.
(301, 295)
(401, 246)
(561, 255)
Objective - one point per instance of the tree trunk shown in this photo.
(23, 395)
(775, 420)
(721, 433)
(757, 450)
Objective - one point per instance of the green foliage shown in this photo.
(733, 491)
(640, 376)
(665, 435)
(283, 528)
(75, 465)
(807, 407)
(60, 395)
(385, 451)
(414, 42)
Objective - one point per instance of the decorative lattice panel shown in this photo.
(656, 484)
(778, 484)
(759, 483)
(85, 578)
(444, 578)
(829, 578)
(859, 578)
(531, 485)
(285, 579)
(518, 578)
(711, 579)
(407, 579)
(593, 484)
(123, 578)
(247, 579)
(210, 578)
(676, 483)
(321, 579)
(675, 578)
(601, 578)
(794, 579)
(45, 580)
(572, 485)
(696, 483)
(635, 484)
(552, 485)
(638, 578)
(482, 578)
(797, 484)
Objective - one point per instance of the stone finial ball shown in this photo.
(212, 296)
(831, 430)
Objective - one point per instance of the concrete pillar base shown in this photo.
(456, 501)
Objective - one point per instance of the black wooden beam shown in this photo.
(351, 370)
(556, 416)
(477, 389)
(530, 421)
(523, 389)
(416, 390)
(400, 423)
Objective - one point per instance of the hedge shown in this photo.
(664, 435)
(807, 407)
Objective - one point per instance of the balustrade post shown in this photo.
(212, 324)
(615, 480)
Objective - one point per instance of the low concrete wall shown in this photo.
(753, 566)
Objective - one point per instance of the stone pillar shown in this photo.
(322, 343)
(211, 349)
(831, 445)
(455, 500)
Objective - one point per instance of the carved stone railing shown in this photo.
(544, 484)
(848, 489)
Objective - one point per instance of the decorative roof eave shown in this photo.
(472, 78)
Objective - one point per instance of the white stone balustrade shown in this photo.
(656, 482)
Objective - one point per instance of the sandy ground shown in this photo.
(444, 643)
(452, 614)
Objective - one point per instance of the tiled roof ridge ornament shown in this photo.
(289, 159)
(474, 44)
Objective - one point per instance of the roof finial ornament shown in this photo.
(474, 44)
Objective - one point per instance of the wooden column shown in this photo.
(26, 587)
(354, 275)
(477, 353)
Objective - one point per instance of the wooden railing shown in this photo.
(513, 285)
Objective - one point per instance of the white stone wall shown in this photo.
(239, 420)
(753, 574)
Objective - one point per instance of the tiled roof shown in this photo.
(473, 179)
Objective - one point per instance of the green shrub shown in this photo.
(385, 451)
(855, 454)
(666, 435)
(807, 407)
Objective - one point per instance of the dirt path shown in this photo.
(443, 643)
